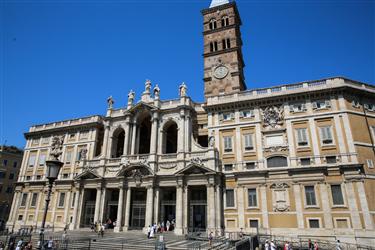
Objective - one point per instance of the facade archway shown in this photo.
(118, 140)
(170, 138)
(144, 133)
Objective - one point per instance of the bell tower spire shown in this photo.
(223, 62)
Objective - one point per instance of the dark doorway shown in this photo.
(138, 208)
(112, 207)
(168, 205)
(89, 199)
(118, 143)
(198, 207)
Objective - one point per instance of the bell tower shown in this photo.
(223, 62)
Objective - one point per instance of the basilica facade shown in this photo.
(294, 159)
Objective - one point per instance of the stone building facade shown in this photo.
(10, 164)
(294, 159)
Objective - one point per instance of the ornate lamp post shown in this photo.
(52, 172)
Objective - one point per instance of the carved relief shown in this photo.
(273, 117)
(280, 197)
(56, 147)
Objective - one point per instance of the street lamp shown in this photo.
(52, 172)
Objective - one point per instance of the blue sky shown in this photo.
(62, 59)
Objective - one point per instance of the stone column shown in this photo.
(118, 227)
(127, 136)
(127, 209)
(315, 141)
(157, 204)
(352, 203)
(179, 209)
(326, 206)
(297, 198)
(67, 207)
(340, 139)
(103, 204)
(134, 135)
(185, 209)
(219, 202)
(149, 206)
(364, 205)
(105, 142)
(97, 203)
(211, 207)
(241, 207)
(154, 134)
(291, 142)
(263, 196)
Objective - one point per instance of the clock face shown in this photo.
(220, 72)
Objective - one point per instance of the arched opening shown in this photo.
(212, 24)
(277, 161)
(118, 139)
(144, 134)
(170, 138)
(225, 21)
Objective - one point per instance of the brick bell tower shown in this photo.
(223, 62)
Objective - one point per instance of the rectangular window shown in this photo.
(34, 199)
(297, 107)
(38, 177)
(45, 140)
(72, 137)
(248, 140)
(227, 143)
(15, 164)
(61, 200)
(252, 197)
(35, 142)
(20, 217)
(250, 165)
(313, 223)
(246, 113)
(228, 116)
(28, 177)
(229, 196)
(302, 137)
(337, 197)
(42, 158)
(369, 163)
(68, 156)
(310, 196)
(331, 159)
(326, 135)
(254, 223)
(23, 199)
(84, 134)
(31, 161)
(305, 161)
(65, 176)
(321, 104)
(5, 162)
(228, 167)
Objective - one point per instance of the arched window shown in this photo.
(170, 138)
(118, 139)
(213, 46)
(224, 21)
(277, 161)
(212, 24)
(144, 134)
(226, 43)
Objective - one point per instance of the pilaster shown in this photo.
(326, 205)
(352, 203)
(315, 141)
(368, 219)
(118, 227)
(297, 198)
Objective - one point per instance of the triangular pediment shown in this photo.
(194, 169)
(86, 175)
(141, 106)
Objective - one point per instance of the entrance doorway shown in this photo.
(168, 206)
(88, 207)
(112, 207)
(198, 207)
(138, 208)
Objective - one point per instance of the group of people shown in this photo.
(271, 245)
(20, 245)
(160, 228)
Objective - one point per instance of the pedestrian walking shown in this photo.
(310, 245)
(338, 245)
(273, 245)
(267, 245)
(210, 238)
(148, 232)
(102, 230)
(316, 247)
(168, 225)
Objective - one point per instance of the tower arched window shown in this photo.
(213, 46)
(213, 24)
(224, 21)
(226, 43)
